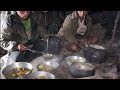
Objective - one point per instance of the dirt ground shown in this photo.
(105, 70)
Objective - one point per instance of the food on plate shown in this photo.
(73, 60)
(41, 77)
(43, 67)
(18, 72)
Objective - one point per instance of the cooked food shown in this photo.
(43, 67)
(97, 47)
(41, 77)
(18, 72)
(84, 66)
(73, 60)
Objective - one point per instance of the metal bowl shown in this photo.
(51, 57)
(48, 56)
(79, 70)
(40, 75)
(47, 66)
(72, 59)
(7, 71)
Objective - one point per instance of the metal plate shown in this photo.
(40, 73)
(48, 56)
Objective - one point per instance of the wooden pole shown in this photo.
(114, 29)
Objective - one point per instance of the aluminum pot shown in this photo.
(95, 53)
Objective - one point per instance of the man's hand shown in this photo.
(92, 40)
(87, 41)
(73, 47)
(82, 43)
(22, 47)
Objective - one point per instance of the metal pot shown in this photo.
(95, 53)
(54, 44)
(12, 68)
(79, 70)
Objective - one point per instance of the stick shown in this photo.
(115, 29)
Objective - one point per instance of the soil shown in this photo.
(105, 70)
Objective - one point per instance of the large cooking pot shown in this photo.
(17, 70)
(79, 70)
(95, 53)
(51, 44)
(54, 44)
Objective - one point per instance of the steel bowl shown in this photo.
(9, 69)
(51, 57)
(48, 56)
(72, 59)
(36, 75)
(79, 70)
(47, 66)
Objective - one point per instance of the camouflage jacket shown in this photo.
(13, 32)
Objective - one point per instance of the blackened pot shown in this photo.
(54, 44)
(95, 53)
(79, 70)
